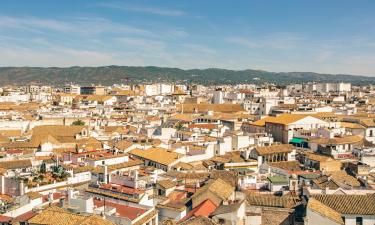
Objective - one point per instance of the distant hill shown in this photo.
(108, 75)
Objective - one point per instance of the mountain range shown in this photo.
(108, 75)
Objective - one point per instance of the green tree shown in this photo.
(78, 123)
(43, 168)
(178, 126)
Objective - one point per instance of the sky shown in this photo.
(335, 36)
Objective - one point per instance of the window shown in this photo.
(371, 133)
(161, 192)
(358, 220)
(221, 221)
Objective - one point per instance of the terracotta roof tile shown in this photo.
(58, 216)
(159, 155)
(349, 204)
(266, 150)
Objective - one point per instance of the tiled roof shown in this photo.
(208, 126)
(184, 166)
(349, 204)
(338, 140)
(192, 175)
(266, 150)
(158, 155)
(122, 210)
(351, 125)
(58, 216)
(200, 220)
(123, 144)
(34, 195)
(325, 211)
(130, 163)
(203, 209)
(94, 220)
(20, 145)
(268, 200)
(218, 187)
(6, 198)
(166, 183)
(368, 122)
(114, 195)
(176, 205)
(223, 209)
(15, 164)
(118, 129)
(324, 182)
(183, 117)
(219, 159)
(317, 157)
(204, 107)
(4, 139)
(24, 217)
(262, 122)
(309, 175)
(41, 139)
(88, 144)
(275, 217)
(147, 217)
(287, 118)
(10, 133)
(57, 130)
(5, 219)
(342, 177)
(229, 177)
(79, 169)
(286, 165)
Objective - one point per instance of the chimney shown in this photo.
(326, 190)
(70, 194)
(22, 188)
(105, 179)
(136, 174)
(50, 197)
(2, 186)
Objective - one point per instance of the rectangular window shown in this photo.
(358, 220)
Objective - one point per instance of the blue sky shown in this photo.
(330, 36)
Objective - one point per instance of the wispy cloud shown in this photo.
(60, 56)
(71, 26)
(142, 44)
(86, 26)
(247, 42)
(32, 23)
(280, 41)
(142, 9)
(324, 55)
(199, 48)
